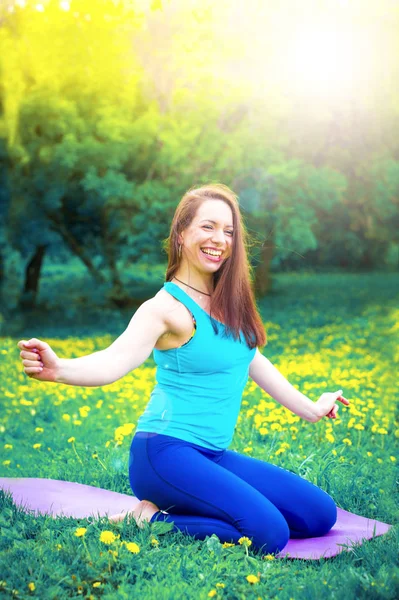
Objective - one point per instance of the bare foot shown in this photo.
(141, 513)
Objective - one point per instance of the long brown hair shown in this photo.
(233, 300)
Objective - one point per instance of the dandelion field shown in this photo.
(325, 332)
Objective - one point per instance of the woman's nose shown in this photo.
(218, 236)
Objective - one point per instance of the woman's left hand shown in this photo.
(326, 406)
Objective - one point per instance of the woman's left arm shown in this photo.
(265, 374)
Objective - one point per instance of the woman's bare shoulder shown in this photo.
(163, 305)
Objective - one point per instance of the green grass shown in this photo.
(325, 332)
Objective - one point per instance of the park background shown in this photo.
(109, 112)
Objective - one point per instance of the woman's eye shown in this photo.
(210, 227)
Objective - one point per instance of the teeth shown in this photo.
(211, 252)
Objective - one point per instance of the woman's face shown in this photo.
(207, 241)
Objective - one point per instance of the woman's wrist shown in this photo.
(60, 374)
(316, 412)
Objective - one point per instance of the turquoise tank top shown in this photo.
(199, 386)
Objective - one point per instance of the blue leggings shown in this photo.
(226, 493)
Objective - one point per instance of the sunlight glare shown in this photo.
(323, 57)
(326, 61)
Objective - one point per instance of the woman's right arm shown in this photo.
(126, 353)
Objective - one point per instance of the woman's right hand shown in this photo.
(39, 360)
(326, 407)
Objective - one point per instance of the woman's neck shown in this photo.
(203, 283)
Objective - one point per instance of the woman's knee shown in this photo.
(325, 517)
(271, 536)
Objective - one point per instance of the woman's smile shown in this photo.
(212, 254)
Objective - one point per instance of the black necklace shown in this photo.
(193, 288)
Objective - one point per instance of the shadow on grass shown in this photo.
(71, 304)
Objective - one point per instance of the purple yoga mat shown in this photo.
(66, 498)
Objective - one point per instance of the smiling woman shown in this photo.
(180, 467)
(207, 251)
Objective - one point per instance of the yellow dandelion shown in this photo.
(227, 544)
(347, 441)
(379, 460)
(276, 427)
(252, 579)
(124, 430)
(66, 417)
(71, 440)
(31, 586)
(244, 541)
(107, 537)
(39, 429)
(382, 430)
(269, 557)
(77, 422)
(154, 542)
(334, 452)
(80, 531)
(59, 546)
(8, 446)
(393, 458)
(99, 404)
(220, 585)
(248, 449)
(212, 593)
(36, 446)
(133, 548)
(263, 431)
(330, 438)
(96, 584)
(359, 426)
(369, 454)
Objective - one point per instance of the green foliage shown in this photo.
(110, 112)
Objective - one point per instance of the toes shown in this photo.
(117, 518)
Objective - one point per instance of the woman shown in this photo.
(204, 329)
